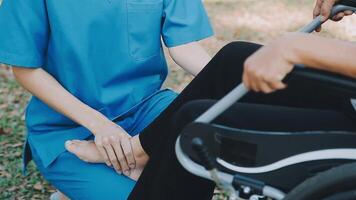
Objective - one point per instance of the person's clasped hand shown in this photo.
(114, 145)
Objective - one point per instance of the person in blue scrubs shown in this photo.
(96, 70)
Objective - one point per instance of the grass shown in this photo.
(12, 133)
(251, 20)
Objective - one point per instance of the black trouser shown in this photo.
(299, 107)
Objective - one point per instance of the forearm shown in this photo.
(323, 53)
(45, 87)
(191, 57)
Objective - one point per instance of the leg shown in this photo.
(83, 181)
(164, 178)
(263, 117)
(222, 74)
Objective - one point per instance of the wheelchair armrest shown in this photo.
(351, 3)
(326, 79)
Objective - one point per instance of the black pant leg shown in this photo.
(263, 117)
(179, 184)
(221, 75)
(168, 180)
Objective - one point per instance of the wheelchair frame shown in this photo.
(225, 180)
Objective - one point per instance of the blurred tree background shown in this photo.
(251, 20)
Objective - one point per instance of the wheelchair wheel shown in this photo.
(338, 183)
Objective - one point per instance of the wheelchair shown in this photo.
(255, 165)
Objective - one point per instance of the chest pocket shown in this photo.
(144, 28)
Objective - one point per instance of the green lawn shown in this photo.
(12, 133)
(252, 20)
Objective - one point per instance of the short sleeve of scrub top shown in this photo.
(22, 43)
(184, 21)
(114, 46)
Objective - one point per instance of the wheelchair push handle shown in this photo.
(316, 75)
(340, 7)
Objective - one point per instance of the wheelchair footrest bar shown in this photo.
(247, 186)
(255, 185)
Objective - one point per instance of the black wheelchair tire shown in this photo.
(341, 179)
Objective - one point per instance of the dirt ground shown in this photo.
(250, 20)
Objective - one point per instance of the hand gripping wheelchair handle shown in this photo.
(343, 5)
(322, 78)
(310, 74)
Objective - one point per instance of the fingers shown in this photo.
(348, 12)
(114, 145)
(265, 87)
(113, 159)
(271, 83)
(262, 81)
(341, 15)
(278, 85)
(317, 8)
(254, 85)
(99, 144)
(128, 152)
(316, 12)
(246, 80)
(120, 156)
(326, 9)
(338, 16)
(263, 84)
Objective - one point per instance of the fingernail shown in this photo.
(68, 143)
(132, 165)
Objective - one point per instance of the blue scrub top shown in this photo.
(107, 53)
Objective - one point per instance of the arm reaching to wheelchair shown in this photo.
(265, 70)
